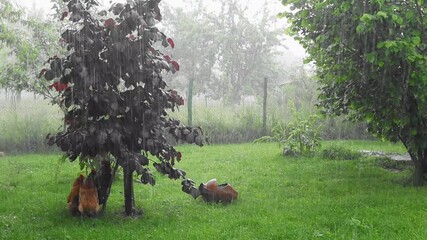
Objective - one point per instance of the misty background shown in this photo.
(240, 74)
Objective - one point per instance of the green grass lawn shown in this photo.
(279, 198)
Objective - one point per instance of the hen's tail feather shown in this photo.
(73, 197)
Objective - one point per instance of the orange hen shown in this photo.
(89, 202)
(214, 192)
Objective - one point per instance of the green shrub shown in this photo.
(394, 165)
(335, 152)
(299, 137)
(303, 137)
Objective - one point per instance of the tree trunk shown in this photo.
(128, 191)
(420, 168)
(420, 163)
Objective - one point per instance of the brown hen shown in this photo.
(88, 201)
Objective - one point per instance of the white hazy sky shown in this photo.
(254, 5)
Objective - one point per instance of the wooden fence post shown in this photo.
(264, 109)
(190, 102)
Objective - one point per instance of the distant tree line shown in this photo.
(226, 52)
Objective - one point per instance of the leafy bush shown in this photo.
(335, 152)
(299, 137)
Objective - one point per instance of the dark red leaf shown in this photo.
(174, 93)
(59, 86)
(171, 43)
(167, 58)
(180, 101)
(71, 122)
(175, 65)
(177, 99)
(153, 50)
(64, 15)
(62, 87)
(109, 23)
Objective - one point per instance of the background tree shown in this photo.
(371, 61)
(112, 92)
(242, 41)
(300, 86)
(9, 16)
(198, 55)
(27, 39)
(226, 43)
